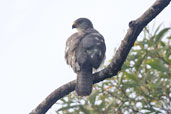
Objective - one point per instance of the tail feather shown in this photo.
(84, 83)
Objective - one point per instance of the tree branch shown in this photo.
(135, 28)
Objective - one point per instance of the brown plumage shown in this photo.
(84, 51)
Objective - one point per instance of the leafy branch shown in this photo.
(135, 28)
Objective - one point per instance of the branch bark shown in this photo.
(135, 28)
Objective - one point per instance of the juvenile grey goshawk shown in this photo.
(84, 51)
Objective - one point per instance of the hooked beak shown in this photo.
(74, 25)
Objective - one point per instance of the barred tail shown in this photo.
(84, 83)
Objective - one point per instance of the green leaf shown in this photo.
(63, 100)
(102, 105)
(169, 37)
(160, 35)
(162, 44)
(139, 62)
(85, 109)
(125, 66)
(110, 104)
(157, 29)
(130, 84)
(130, 76)
(67, 107)
(150, 109)
(157, 64)
(151, 41)
(92, 97)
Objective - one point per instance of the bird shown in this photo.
(84, 51)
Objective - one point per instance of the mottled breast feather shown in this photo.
(71, 44)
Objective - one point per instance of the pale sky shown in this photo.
(32, 42)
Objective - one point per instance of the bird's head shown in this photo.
(82, 24)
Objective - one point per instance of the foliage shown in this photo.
(142, 86)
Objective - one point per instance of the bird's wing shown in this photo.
(71, 44)
(91, 49)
